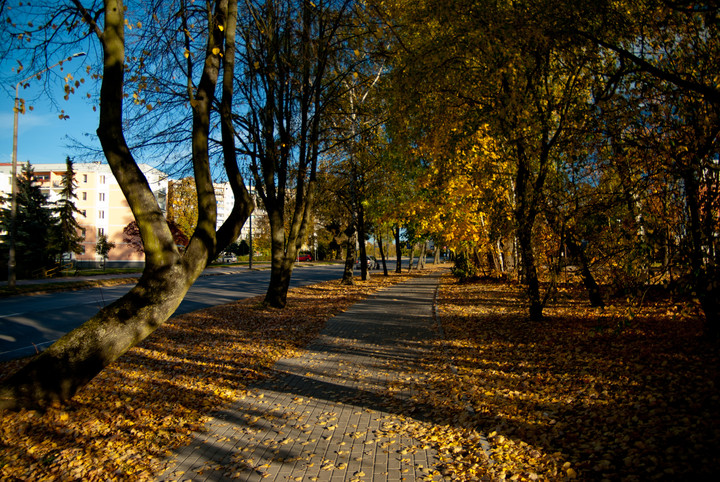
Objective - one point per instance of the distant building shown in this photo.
(102, 204)
(226, 202)
(104, 207)
(225, 199)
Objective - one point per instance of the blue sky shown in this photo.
(42, 136)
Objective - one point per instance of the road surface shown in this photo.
(31, 323)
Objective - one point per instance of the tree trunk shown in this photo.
(280, 275)
(525, 214)
(527, 257)
(477, 260)
(412, 256)
(76, 358)
(285, 100)
(281, 264)
(382, 256)
(705, 276)
(593, 289)
(347, 278)
(496, 258)
(364, 275)
(58, 372)
(398, 249)
(423, 253)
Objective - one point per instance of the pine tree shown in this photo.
(34, 224)
(67, 237)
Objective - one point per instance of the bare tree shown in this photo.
(287, 45)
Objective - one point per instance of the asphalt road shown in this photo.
(33, 322)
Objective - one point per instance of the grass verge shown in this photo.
(39, 289)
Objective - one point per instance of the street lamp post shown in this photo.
(13, 173)
(250, 235)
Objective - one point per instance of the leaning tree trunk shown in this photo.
(57, 373)
(412, 256)
(71, 362)
(593, 289)
(423, 253)
(382, 256)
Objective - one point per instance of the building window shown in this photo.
(102, 196)
(84, 177)
(82, 232)
(84, 196)
(101, 214)
(101, 231)
(102, 179)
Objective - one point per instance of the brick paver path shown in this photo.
(330, 414)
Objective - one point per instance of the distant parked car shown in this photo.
(371, 263)
(305, 257)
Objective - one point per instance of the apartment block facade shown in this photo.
(102, 204)
(104, 209)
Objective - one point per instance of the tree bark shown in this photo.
(364, 274)
(593, 289)
(705, 276)
(280, 270)
(423, 253)
(382, 256)
(525, 214)
(347, 278)
(57, 373)
(398, 249)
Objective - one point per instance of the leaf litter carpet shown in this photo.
(333, 413)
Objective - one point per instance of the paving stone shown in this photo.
(322, 418)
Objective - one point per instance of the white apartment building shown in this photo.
(100, 200)
(104, 207)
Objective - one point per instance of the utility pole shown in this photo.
(12, 263)
(250, 235)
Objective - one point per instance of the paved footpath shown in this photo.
(330, 414)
